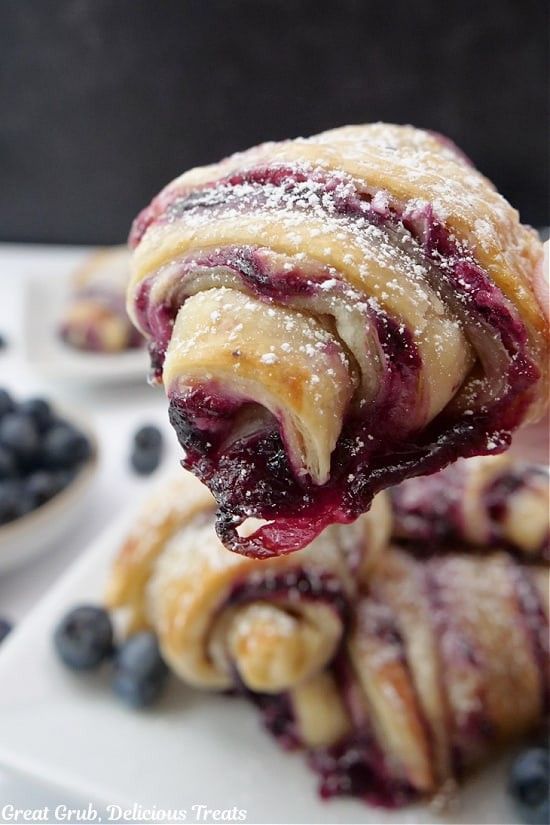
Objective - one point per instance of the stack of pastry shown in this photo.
(395, 667)
(331, 317)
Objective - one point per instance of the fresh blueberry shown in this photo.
(41, 486)
(9, 500)
(3, 342)
(18, 434)
(84, 638)
(7, 403)
(530, 783)
(64, 447)
(39, 411)
(8, 465)
(541, 816)
(5, 628)
(139, 670)
(145, 462)
(63, 478)
(148, 437)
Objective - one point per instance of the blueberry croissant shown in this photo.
(95, 318)
(223, 619)
(485, 501)
(332, 315)
(445, 660)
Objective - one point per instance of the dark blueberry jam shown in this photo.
(277, 717)
(301, 584)
(356, 766)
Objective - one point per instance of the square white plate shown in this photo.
(43, 304)
(193, 748)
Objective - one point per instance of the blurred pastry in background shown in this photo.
(95, 318)
(225, 620)
(487, 501)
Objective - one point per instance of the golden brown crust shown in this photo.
(172, 574)
(410, 164)
(452, 656)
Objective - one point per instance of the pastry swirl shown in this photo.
(446, 660)
(489, 501)
(332, 315)
(223, 619)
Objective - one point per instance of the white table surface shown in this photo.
(113, 412)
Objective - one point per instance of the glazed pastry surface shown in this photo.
(224, 619)
(332, 315)
(95, 318)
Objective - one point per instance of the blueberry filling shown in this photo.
(301, 584)
(356, 766)
(276, 714)
(252, 476)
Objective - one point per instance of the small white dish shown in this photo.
(36, 532)
(43, 303)
(70, 732)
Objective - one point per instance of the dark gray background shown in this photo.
(103, 101)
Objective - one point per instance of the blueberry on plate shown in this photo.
(84, 638)
(148, 437)
(7, 403)
(64, 447)
(147, 450)
(39, 411)
(19, 435)
(530, 784)
(8, 464)
(5, 628)
(145, 462)
(139, 671)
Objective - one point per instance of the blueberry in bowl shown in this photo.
(47, 461)
(529, 785)
(39, 411)
(5, 628)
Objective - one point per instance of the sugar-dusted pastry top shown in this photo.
(95, 319)
(331, 315)
(222, 619)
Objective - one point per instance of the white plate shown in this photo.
(43, 303)
(194, 748)
(37, 532)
